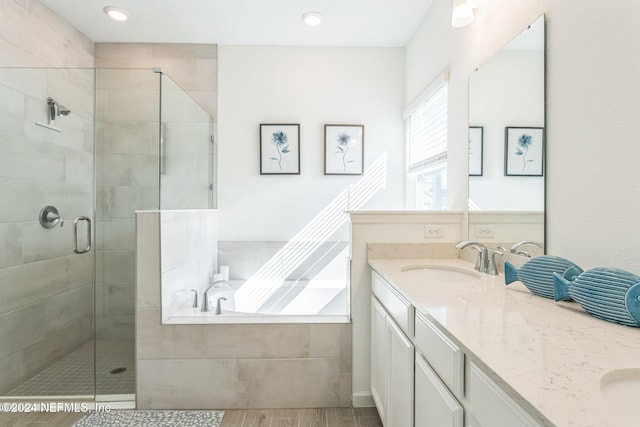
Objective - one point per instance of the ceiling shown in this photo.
(377, 23)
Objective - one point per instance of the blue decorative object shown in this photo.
(607, 293)
(537, 273)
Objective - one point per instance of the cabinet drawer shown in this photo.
(446, 358)
(491, 406)
(396, 305)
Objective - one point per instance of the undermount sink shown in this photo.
(620, 389)
(440, 273)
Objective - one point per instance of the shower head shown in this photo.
(56, 109)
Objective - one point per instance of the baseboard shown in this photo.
(362, 399)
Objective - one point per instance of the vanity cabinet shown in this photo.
(392, 354)
(420, 377)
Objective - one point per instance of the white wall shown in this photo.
(592, 107)
(313, 87)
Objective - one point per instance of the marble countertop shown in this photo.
(550, 357)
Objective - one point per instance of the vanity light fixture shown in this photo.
(462, 14)
(116, 13)
(312, 18)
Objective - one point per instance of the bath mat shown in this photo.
(152, 418)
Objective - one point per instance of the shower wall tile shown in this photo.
(127, 105)
(21, 328)
(125, 137)
(117, 234)
(69, 307)
(28, 81)
(127, 78)
(103, 51)
(12, 110)
(114, 169)
(28, 159)
(50, 41)
(79, 271)
(144, 170)
(26, 284)
(12, 369)
(11, 238)
(41, 244)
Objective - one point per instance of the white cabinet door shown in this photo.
(435, 405)
(379, 358)
(400, 398)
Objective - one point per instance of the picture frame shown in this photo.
(280, 149)
(343, 149)
(524, 151)
(475, 150)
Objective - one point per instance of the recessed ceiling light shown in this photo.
(116, 13)
(312, 18)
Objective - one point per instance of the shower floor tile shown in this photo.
(74, 374)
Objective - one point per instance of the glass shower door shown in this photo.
(127, 159)
(46, 257)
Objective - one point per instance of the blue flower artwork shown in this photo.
(280, 149)
(344, 149)
(279, 138)
(344, 142)
(524, 151)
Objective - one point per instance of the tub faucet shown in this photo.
(218, 305)
(205, 299)
(482, 262)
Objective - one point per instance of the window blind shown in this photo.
(427, 127)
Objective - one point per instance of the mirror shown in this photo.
(506, 144)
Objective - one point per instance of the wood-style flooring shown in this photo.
(323, 417)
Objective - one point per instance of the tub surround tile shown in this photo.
(267, 383)
(187, 384)
(157, 341)
(257, 341)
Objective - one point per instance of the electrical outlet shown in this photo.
(433, 231)
(484, 230)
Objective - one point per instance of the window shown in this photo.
(426, 122)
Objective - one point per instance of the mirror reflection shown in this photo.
(506, 145)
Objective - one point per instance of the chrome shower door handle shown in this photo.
(75, 235)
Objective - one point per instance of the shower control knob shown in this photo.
(50, 217)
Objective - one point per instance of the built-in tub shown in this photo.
(252, 301)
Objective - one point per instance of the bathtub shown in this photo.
(252, 301)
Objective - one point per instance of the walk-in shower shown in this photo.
(80, 152)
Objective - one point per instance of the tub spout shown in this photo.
(218, 305)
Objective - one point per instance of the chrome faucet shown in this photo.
(219, 306)
(205, 297)
(492, 268)
(515, 247)
(482, 262)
